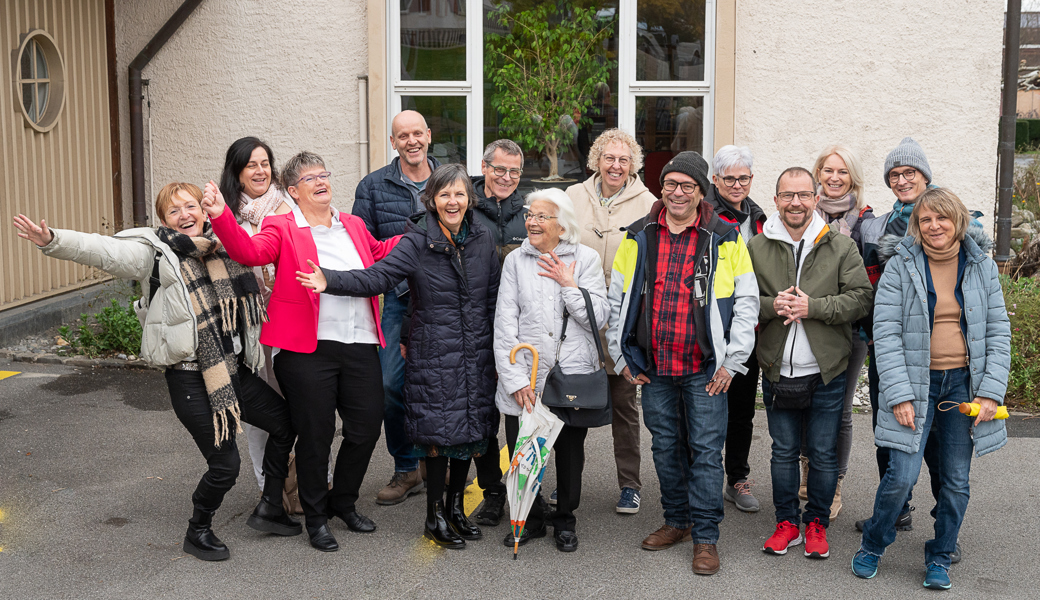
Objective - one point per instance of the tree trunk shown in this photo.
(554, 163)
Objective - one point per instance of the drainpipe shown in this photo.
(363, 125)
(136, 113)
(1006, 146)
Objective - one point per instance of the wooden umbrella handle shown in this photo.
(534, 366)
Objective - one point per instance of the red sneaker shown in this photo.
(816, 540)
(787, 534)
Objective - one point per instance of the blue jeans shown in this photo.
(951, 433)
(689, 470)
(822, 422)
(397, 442)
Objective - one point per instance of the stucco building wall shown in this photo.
(866, 74)
(286, 72)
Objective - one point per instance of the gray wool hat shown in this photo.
(908, 154)
(689, 163)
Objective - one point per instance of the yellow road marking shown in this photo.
(6, 374)
(474, 495)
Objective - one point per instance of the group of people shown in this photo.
(268, 306)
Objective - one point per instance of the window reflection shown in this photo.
(446, 117)
(433, 40)
(670, 40)
(666, 126)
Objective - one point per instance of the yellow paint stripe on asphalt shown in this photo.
(474, 495)
(6, 374)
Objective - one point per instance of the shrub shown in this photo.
(115, 330)
(1022, 297)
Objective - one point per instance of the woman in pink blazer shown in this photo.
(327, 345)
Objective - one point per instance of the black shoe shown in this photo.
(566, 541)
(903, 523)
(322, 538)
(491, 509)
(528, 535)
(955, 556)
(355, 521)
(200, 541)
(270, 516)
(458, 520)
(438, 529)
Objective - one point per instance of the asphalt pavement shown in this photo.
(96, 476)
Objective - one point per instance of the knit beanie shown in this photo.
(689, 163)
(908, 154)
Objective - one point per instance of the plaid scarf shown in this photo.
(218, 287)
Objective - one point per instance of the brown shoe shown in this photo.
(400, 487)
(666, 537)
(705, 559)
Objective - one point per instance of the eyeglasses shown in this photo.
(501, 171)
(688, 187)
(908, 175)
(309, 179)
(743, 180)
(540, 219)
(623, 161)
(789, 196)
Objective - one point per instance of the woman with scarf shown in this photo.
(250, 183)
(840, 187)
(201, 314)
(451, 263)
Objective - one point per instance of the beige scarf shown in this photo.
(255, 209)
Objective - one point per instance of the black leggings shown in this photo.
(260, 405)
(437, 473)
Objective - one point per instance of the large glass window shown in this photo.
(670, 40)
(446, 116)
(433, 40)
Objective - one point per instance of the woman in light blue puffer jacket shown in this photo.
(942, 337)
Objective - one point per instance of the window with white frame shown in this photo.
(659, 86)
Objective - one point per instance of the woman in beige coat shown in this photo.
(613, 198)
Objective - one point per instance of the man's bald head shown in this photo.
(410, 136)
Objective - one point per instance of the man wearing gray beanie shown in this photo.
(665, 290)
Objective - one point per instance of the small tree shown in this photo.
(545, 70)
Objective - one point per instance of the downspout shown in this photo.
(1006, 145)
(136, 113)
(363, 125)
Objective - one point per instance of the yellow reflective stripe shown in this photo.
(625, 261)
(733, 262)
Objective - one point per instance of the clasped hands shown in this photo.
(792, 304)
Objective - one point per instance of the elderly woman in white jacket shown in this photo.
(538, 281)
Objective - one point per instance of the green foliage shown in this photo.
(1021, 134)
(115, 330)
(545, 69)
(1022, 297)
(1026, 192)
(1027, 135)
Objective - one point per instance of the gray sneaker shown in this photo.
(740, 495)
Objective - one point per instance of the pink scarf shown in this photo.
(841, 210)
(255, 209)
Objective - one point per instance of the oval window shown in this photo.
(41, 81)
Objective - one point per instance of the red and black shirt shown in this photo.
(674, 338)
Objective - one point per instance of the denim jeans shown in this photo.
(689, 470)
(822, 421)
(951, 433)
(397, 442)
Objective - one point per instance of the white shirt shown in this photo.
(342, 319)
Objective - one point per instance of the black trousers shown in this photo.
(489, 465)
(569, 453)
(741, 427)
(336, 377)
(260, 405)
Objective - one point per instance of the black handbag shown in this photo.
(794, 393)
(580, 400)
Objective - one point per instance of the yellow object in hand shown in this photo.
(971, 409)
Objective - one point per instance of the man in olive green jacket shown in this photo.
(812, 286)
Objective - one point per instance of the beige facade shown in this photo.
(61, 172)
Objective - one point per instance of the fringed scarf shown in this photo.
(218, 288)
(255, 209)
(841, 210)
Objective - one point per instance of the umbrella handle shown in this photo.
(534, 365)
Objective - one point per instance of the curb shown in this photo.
(73, 361)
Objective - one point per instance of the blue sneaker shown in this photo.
(865, 564)
(628, 504)
(937, 577)
(552, 498)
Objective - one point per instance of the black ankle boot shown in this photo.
(437, 528)
(200, 541)
(458, 520)
(270, 516)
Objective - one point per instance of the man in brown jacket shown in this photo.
(611, 199)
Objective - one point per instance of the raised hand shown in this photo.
(213, 200)
(557, 270)
(312, 281)
(41, 235)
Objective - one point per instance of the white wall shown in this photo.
(866, 74)
(285, 72)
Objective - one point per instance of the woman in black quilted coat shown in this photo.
(452, 268)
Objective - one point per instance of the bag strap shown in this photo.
(592, 321)
(153, 281)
